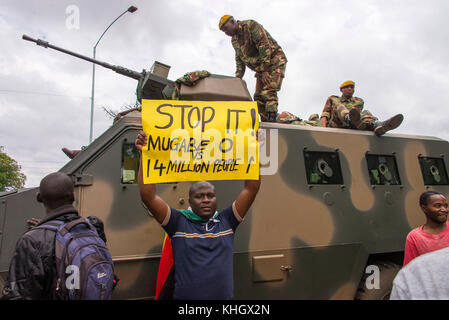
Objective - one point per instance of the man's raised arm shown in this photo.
(158, 207)
(247, 196)
(251, 187)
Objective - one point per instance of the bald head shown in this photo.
(198, 185)
(56, 190)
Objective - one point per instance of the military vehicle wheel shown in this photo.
(387, 273)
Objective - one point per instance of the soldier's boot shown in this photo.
(352, 118)
(70, 153)
(272, 117)
(381, 127)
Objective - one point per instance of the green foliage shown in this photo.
(10, 175)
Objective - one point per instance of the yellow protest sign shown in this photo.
(199, 140)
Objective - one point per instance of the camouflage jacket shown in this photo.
(333, 101)
(254, 47)
(191, 78)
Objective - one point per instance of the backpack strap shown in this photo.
(64, 230)
(52, 225)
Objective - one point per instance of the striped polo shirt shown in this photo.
(203, 254)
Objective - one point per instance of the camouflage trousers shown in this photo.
(337, 118)
(289, 118)
(266, 95)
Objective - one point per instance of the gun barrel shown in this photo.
(121, 70)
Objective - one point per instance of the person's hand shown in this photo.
(141, 140)
(266, 78)
(32, 222)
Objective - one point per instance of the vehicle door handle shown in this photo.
(286, 268)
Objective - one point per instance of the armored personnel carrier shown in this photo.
(333, 210)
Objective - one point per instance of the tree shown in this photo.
(10, 175)
(126, 108)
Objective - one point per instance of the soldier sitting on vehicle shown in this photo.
(347, 112)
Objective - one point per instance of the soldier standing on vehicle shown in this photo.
(256, 49)
(347, 112)
(202, 238)
(434, 234)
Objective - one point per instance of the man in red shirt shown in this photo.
(434, 234)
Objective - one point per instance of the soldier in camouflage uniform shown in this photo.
(256, 49)
(289, 118)
(189, 79)
(347, 112)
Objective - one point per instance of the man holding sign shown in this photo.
(202, 238)
(195, 141)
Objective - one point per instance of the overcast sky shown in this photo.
(396, 51)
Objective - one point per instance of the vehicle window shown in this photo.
(323, 167)
(383, 170)
(433, 171)
(130, 163)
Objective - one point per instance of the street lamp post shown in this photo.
(131, 9)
